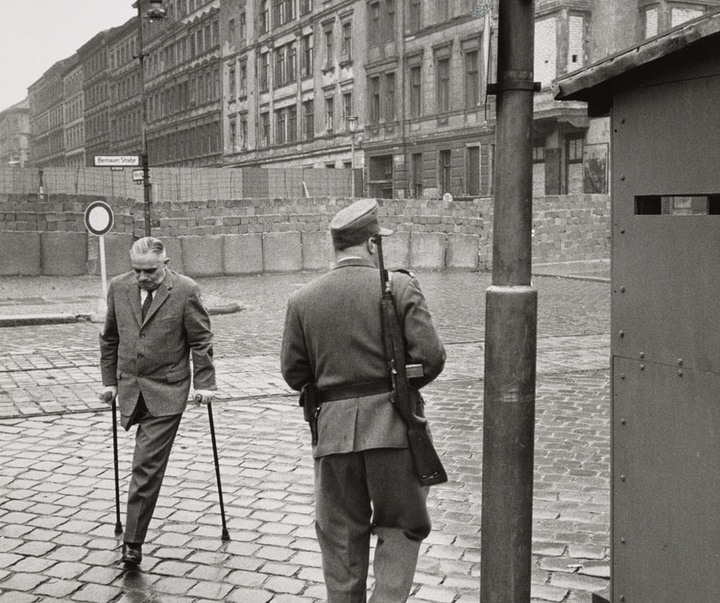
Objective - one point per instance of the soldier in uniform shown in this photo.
(365, 482)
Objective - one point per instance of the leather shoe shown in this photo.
(131, 554)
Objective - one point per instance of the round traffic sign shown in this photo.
(98, 217)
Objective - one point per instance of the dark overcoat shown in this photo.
(152, 357)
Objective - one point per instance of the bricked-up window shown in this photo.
(243, 27)
(576, 42)
(538, 151)
(305, 6)
(415, 91)
(243, 132)
(472, 79)
(443, 85)
(375, 99)
(414, 14)
(389, 21)
(390, 97)
(546, 50)
(444, 171)
(306, 58)
(442, 14)
(309, 119)
(650, 22)
(574, 164)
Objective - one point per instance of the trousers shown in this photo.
(359, 494)
(154, 439)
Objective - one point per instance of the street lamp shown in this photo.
(352, 128)
(155, 11)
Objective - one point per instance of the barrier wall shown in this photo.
(47, 235)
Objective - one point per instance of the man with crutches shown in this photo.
(155, 323)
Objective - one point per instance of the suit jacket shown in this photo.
(153, 357)
(333, 337)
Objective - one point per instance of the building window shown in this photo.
(389, 21)
(265, 129)
(280, 117)
(243, 78)
(374, 24)
(414, 15)
(243, 27)
(347, 106)
(264, 17)
(346, 49)
(329, 57)
(329, 114)
(232, 83)
(306, 58)
(231, 30)
(472, 172)
(443, 85)
(233, 136)
(375, 100)
(538, 155)
(415, 91)
(305, 6)
(443, 12)
(243, 132)
(280, 66)
(390, 97)
(444, 172)
(309, 119)
(292, 123)
(472, 79)
(416, 184)
(264, 71)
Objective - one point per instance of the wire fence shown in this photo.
(182, 184)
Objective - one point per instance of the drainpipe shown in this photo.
(511, 324)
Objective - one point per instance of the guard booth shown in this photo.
(663, 98)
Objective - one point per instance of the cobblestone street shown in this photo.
(57, 508)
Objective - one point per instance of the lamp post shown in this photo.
(352, 128)
(154, 12)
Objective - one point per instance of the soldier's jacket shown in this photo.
(333, 337)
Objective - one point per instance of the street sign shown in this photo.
(116, 160)
(98, 218)
(137, 176)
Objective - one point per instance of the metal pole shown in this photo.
(143, 127)
(511, 325)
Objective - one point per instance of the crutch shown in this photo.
(198, 400)
(118, 524)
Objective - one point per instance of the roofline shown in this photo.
(580, 84)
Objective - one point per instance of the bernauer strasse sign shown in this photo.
(116, 160)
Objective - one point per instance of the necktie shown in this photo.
(146, 305)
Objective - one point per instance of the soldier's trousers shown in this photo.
(363, 493)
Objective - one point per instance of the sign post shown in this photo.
(98, 221)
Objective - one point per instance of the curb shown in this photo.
(29, 320)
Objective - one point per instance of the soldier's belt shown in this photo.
(356, 390)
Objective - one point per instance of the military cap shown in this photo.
(356, 223)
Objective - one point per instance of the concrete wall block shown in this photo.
(202, 255)
(282, 252)
(317, 250)
(427, 250)
(396, 250)
(64, 253)
(117, 254)
(20, 254)
(243, 254)
(462, 252)
(173, 250)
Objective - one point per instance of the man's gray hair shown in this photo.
(147, 245)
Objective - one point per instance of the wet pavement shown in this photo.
(57, 508)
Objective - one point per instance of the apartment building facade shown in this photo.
(395, 87)
(14, 135)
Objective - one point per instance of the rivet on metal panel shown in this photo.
(642, 367)
(622, 333)
(623, 421)
(642, 354)
(680, 373)
(680, 361)
(622, 478)
(622, 597)
(622, 121)
(622, 375)
(622, 289)
(622, 176)
(622, 231)
(622, 541)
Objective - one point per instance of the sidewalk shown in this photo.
(57, 512)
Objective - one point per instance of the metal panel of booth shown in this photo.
(666, 340)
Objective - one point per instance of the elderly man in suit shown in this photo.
(365, 481)
(155, 322)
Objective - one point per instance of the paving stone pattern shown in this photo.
(57, 509)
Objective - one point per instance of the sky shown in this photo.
(35, 34)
